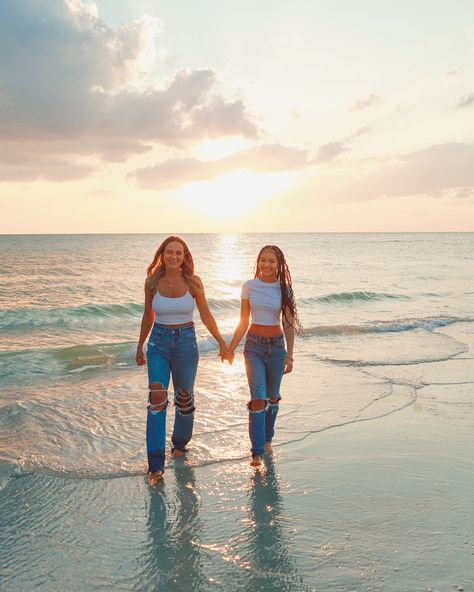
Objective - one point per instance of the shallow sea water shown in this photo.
(386, 372)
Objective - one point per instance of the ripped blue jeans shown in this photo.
(264, 363)
(170, 352)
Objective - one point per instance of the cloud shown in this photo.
(47, 169)
(466, 101)
(451, 73)
(435, 171)
(328, 152)
(69, 85)
(32, 163)
(361, 132)
(264, 158)
(372, 99)
(436, 168)
(464, 193)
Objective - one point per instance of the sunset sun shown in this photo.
(234, 194)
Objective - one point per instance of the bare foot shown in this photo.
(268, 447)
(154, 477)
(256, 461)
(177, 453)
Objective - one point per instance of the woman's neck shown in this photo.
(172, 273)
(269, 280)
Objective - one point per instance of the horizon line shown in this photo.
(241, 232)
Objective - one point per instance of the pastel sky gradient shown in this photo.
(257, 115)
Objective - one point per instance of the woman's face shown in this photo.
(173, 256)
(268, 265)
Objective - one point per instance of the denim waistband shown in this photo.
(175, 330)
(260, 339)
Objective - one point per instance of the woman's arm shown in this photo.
(206, 315)
(147, 324)
(289, 331)
(241, 328)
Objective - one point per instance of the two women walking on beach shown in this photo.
(171, 289)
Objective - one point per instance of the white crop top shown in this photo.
(173, 311)
(265, 301)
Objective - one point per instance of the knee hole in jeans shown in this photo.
(158, 397)
(257, 405)
(184, 402)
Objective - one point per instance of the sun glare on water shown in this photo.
(234, 194)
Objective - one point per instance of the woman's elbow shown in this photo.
(208, 320)
(148, 317)
(244, 323)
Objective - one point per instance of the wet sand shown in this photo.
(380, 503)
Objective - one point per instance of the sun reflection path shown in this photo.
(225, 268)
(229, 263)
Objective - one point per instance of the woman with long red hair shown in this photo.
(171, 290)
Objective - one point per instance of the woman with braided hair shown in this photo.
(268, 302)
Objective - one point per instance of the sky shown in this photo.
(249, 116)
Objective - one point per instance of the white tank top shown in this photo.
(173, 311)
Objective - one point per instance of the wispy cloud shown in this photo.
(44, 169)
(369, 101)
(466, 101)
(328, 152)
(464, 193)
(451, 73)
(72, 86)
(366, 129)
(433, 171)
(265, 158)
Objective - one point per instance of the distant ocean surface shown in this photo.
(73, 402)
(70, 311)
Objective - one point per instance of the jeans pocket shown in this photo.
(248, 348)
(251, 342)
(251, 351)
(188, 338)
(192, 345)
(280, 343)
(156, 336)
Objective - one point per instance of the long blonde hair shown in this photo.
(156, 269)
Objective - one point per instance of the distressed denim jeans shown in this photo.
(170, 352)
(264, 362)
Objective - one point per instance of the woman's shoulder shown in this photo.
(150, 286)
(247, 288)
(196, 287)
(196, 280)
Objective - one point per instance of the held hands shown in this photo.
(230, 355)
(222, 351)
(226, 354)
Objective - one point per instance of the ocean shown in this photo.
(75, 510)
